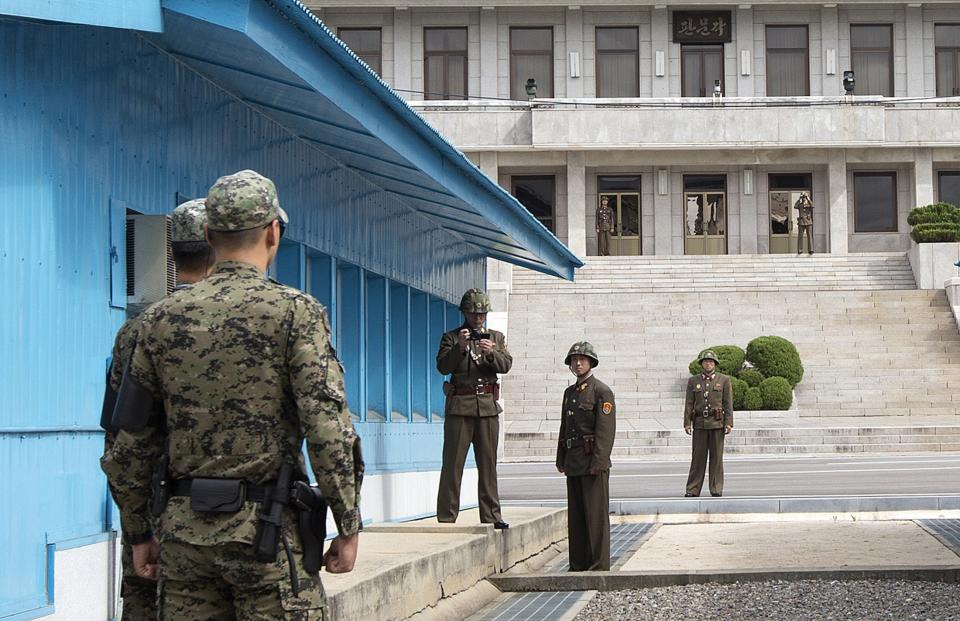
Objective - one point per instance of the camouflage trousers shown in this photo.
(225, 582)
(139, 594)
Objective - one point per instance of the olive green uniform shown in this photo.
(587, 429)
(604, 229)
(804, 224)
(705, 394)
(471, 416)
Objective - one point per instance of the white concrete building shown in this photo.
(625, 107)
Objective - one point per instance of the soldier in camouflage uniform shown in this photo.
(708, 415)
(245, 371)
(192, 256)
(588, 426)
(804, 207)
(604, 226)
(473, 356)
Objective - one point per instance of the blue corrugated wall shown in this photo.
(93, 117)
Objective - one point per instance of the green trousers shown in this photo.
(707, 443)
(459, 432)
(588, 521)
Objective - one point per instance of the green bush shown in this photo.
(751, 376)
(776, 393)
(754, 400)
(740, 388)
(939, 222)
(731, 359)
(775, 356)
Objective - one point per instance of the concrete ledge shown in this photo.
(620, 580)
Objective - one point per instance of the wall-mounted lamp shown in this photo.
(747, 181)
(659, 64)
(849, 82)
(531, 88)
(745, 62)
(830, 62)
(574, 64)
(663, 181)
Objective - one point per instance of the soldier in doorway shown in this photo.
(708, 415)
(804, 207)
(473, 356)
(587, 429)
(604, 226)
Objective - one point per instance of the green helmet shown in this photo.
(475, 301)
(709, 355)
(582, 348)
(187, 222)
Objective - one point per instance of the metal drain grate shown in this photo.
(947, 531)
(624, 539)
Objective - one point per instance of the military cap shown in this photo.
(709, 355)
(243, 201)
(187, 222)
(582, 348)
(475, 301)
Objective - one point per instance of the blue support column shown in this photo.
(437, 328)
(422, 365)
(377, 348)
(350, 329)
(321, 284)
(400, 353)
(291, 265)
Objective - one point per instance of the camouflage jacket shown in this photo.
(589, 409)
(469, 368)
(705, 392)
(245, 371)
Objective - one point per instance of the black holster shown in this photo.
(311, 523)
(160, 485)
(270, 527)
(109, 403)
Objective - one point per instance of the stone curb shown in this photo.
(621, 580)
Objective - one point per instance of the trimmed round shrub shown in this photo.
(740, 388)
(731, 360)
(776, 393)
(775, 356)
(939, 222)
(752, 377)
(754, 400)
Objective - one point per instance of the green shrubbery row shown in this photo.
(939, 222)
(767, 384)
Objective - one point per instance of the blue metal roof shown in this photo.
(279, 58)
(135, 14)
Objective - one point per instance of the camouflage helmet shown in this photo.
(187, 220)
(243, 201)
(475, 301)
(709, 355)
(582, 348)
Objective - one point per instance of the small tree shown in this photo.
(939, 222)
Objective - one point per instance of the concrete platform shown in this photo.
(405, 568)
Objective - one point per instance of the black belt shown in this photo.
(255, 493)
(572, 442)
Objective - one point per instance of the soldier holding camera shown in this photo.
(708, 415)
(473, 356)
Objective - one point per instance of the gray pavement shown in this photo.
(757, 477)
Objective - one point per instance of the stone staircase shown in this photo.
(881, 359)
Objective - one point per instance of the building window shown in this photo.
(538, 195)
(531, 56)
(871, 56)
(788, 61)
(875, 202)
(948, 187)
(445, 63)
(365, 43)
(701, 69)
(947, 41)
(618, 62)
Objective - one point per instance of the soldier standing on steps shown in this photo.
(604, 226)
(587, 429)
(708, 415)
(804, 207)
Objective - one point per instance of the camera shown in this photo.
(476, 335)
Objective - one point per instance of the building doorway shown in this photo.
(785, 191)
(701, 69)
(622, 194)
(705, 214)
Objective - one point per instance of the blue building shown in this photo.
(111, 109)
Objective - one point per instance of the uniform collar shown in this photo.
(710, 377)
(582, 385)
(237, 267)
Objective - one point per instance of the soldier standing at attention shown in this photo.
(192, 257)
(804, 207)
(245, 372)
(472, 356)
(604, 226)
(708, 415)
(587, 429)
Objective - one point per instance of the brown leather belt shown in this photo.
(479, 389)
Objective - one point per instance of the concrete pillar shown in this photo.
(923, 177)
(488, 53)
(660, 45)
(574, 47)
(748, 211)
(915, 46)
(745, 83)
(662, 216)
(830, 52)
(837, 193)
(576, 203)
(403, 54)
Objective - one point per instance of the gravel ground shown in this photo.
(867, 600)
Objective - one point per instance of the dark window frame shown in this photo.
(365, 54)
(889, 50)
(541, 92)
(598, 53)
(429, 90)
(955, 49)
(698, 48)
(787, 50)
(940, 175)
(514, 179)
(896, 207)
